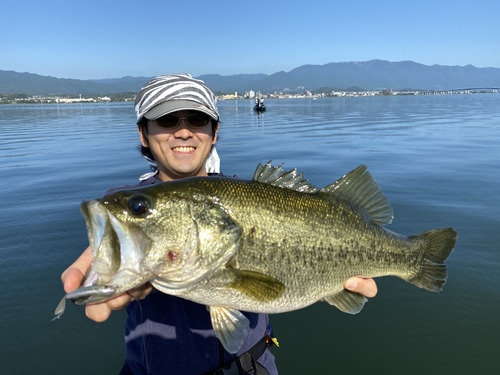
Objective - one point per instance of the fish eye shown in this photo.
(138, 205)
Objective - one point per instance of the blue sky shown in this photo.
(110, 39)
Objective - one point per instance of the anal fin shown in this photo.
(347, 301)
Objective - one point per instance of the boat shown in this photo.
(259, 105)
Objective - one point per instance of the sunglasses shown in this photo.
(196, 120)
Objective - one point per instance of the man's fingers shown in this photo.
(101, 311)
(140, 292)
(366, 287)
(98, 312)
(73, 276)
(119, 302)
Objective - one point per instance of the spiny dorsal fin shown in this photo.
(277, 176)
(359, 187)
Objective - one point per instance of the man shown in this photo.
(178, 121)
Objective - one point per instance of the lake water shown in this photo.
(437, 158)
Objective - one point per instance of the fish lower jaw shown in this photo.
(123, 280)
(104, 279)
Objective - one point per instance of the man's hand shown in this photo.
(366, 287)
(72, 279)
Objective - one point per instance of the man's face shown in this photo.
(180, 151)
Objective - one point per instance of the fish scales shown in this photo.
(317, 244)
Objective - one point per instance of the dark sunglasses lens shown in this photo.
(198, 120)
(167, 121)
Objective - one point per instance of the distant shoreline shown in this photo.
(41, 99)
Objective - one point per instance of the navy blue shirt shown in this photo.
(170, 335)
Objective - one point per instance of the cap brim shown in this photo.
(170, 106)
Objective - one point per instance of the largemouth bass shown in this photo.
(269, 245)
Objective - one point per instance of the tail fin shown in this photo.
(438, 244)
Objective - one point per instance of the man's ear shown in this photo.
(216, 131)
(143, 137)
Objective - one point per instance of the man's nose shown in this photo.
(183, 130)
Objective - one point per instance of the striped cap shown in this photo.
(174, 92)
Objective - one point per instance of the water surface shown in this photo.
(435, 157)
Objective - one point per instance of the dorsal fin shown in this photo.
(277, 176)
(359, 187)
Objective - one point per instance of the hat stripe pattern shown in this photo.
(174, 87)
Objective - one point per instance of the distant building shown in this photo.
(75, 100)
(229, 96)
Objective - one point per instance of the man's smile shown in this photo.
(183, 149)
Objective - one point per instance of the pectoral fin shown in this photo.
(257, 286)
(230, 326)
(347, 301)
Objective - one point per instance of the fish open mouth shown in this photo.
(118, 249)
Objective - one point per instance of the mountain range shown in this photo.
(368, 75)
